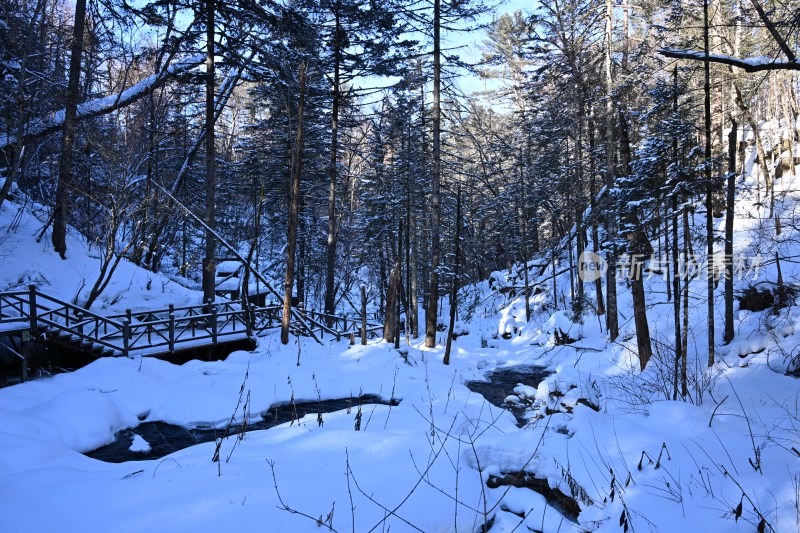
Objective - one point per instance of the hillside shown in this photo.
(26, 257)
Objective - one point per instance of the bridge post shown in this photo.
(171, 334)
(25, 368)
(247, 314)
(213, 321)
(363, 315)
(126, 335)
(32, 307)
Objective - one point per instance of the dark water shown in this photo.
(502, 382)
(165, 439)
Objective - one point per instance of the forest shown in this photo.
(598, 178)
(327, 141)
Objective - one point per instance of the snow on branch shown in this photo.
(107, 104)
(757, 64)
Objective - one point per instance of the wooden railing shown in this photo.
(339, 326)
(43, 312)
(162, 330)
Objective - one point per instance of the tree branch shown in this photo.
(774, 32)
(748, 64)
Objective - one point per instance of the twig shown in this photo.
(715, 410)
(284, 507)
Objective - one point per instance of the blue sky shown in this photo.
(473, 41)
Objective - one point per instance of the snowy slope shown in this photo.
(24, 261)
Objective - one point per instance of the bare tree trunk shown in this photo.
(685, 332)
(612, 320)
(676, 277)
(570, 257)
(382, 282)
(676, 290)
(64, 190)
(363, 315)
(523, 214)
(432, 311)
(454, 290)
(729, 214)
(598, 282)
(16, 157)
(665, 255)
(414, 293)
(149, 208)
(790, 124)
(110, 259)
(412, 318)
(580, 206)
(762, 153)
(247, 267)
(209, 262)
(330, 291)
(399, 288)
(22, 99)
(294, 201)
(640, 248)
(300, 269)
(709, 188)
(390, 323)
(555, 284)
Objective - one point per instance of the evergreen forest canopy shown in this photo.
(327, 141)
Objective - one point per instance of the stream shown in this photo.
(165, 438)
(501, 383)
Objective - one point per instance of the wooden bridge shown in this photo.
(32, 314)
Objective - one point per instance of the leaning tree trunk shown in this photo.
(67, 142)
(640, 248)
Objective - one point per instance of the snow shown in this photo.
(600, 430)
(138, 444)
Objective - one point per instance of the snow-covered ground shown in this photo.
(600, 431)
